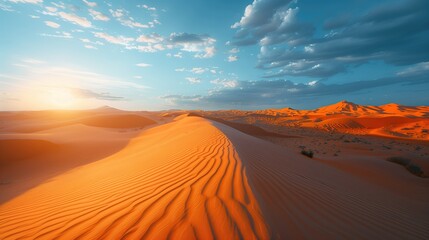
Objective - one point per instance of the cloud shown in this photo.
(226, 83)
(51, 9)
(147, 7)
(144, 65)
(81, 21)
(120, 40)
(394, 32)
(85, 93)
(52, 24)
(98, 15)
(90, 47)
(203, 45)
(58, 34)
(90, 4)
(32, 61)
(121, 15)
(151, 38)
(234, 51)
(232, 58)
(250, 94)
(26, 1)
(197, 70)
(177, 55)
(193, 80)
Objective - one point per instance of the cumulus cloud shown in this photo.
(234, 51)
(144, 65)
(150, 38)
(26, 1)
(226, 83)
(120, 40)
(75, 19)
(248, 94)
(90, 47)
(395, 33)
(193, 80)
(90, 4)
(232, 58)
(52, 24)
(98, 15)
(121, 15)
(203, 45)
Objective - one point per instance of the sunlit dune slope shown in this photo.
(182, 180)
(390, 120)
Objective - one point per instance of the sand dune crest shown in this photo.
(182, 180)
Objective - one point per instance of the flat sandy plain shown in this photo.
(112, 174)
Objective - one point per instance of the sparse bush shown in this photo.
(412, 168)
(307, 153)
(399, 160)
(416, 170)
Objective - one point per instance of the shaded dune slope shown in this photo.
(182, 180)
(305, 199)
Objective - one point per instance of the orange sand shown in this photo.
(118, 177)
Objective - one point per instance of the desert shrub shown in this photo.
(307, 153)
(416, 170)
(407, 164)
(399, 160)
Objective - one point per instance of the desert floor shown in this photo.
(111, 174)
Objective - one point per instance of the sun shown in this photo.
(62, 98)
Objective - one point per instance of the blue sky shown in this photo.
(194, 54)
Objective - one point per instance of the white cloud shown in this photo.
(34, 16)
(208, 53)
(32, 61)
(90, 4)
(51, 9)
(122, 16)
(98, 15)
(232, 58)
(198, 70)
(147, 7)
(82, 21)
(138, 77)
(225, 83)
(132, 24)
(26, 1)
(143, 65)
(59, 5)
(234, 51)
(117, 13)
(180, 69)
(58, 34)
(90, 47)
(152, 38)
(52, 24)
(121, 40)
(193, 80)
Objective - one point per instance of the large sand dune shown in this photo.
(195, 178)
(180, 180)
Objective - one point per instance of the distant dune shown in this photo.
(391, 120)
(111, 174)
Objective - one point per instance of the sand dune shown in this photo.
(390, 120)
(180, 180)
(194, 178)
(34, 148)
(302, 198)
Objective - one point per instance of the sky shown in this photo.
(212, 54)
